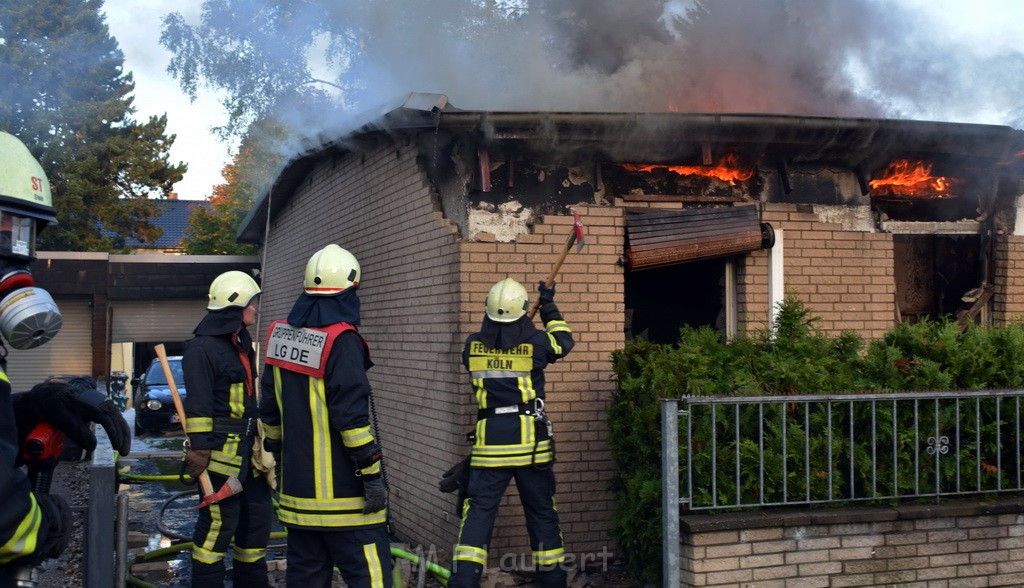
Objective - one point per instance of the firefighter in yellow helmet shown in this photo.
(315, 410)
(35, 526)
(222, 415)
(513, 436)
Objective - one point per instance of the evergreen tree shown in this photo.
(64, 93)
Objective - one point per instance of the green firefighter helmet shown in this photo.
(232, 288)
(331, 271)
(506, 301)
(23, 184)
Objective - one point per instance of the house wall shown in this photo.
(844, 277)
(378, 205)
(422, 292)
(1008, 259)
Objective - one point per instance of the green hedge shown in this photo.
(799, 359)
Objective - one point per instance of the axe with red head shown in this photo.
(575, 236)
(232, 486)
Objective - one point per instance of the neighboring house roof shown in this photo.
(172, 218)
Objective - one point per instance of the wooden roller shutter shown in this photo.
(69, 353)
(664, 238)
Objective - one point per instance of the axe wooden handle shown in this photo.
(554, 271)
(161, 353)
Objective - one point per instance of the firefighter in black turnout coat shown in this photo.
(35, 525)
(222, 413)
(315, 411)
(513, 436)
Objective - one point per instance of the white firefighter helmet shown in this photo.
(506, 301)
(232, 288)
(331, 271)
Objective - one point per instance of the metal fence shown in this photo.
(727, 453)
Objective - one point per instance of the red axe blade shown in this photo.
(229, 489)
(577, 229)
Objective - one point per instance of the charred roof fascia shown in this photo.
(859, 143)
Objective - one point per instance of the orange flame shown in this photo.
(728, 169)
(1012, 159)
(906, 178)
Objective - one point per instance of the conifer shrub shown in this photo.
(930, 355)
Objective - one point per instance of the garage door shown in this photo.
(70, 352)
(138, 321)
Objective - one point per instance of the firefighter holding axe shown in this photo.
(513, 437)
(222, 415)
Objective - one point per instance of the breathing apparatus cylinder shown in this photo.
(29, 317)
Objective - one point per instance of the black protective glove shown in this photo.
(375, 494)
(547, 295)
(273, 446)
(70, 407)
(58, 526)
(455, 477)
(196, 462)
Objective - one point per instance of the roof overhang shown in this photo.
(858, 143)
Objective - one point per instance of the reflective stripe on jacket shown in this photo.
(510, 377)
(21, 518)
(218, 385)
(318, 421)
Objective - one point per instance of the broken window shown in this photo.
(937, 275)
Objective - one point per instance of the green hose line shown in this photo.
(149, 478)
(439, 572)
(130, 579)
(433, 568)
(184, 545)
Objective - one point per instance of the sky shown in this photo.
(946, 60)
(135, 24)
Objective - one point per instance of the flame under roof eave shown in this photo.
(418, 112)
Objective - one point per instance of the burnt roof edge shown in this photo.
(425, 111)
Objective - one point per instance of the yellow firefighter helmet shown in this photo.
(331, 271)
(232, 288)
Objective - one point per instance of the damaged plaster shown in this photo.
(851, 218)
(505, 221)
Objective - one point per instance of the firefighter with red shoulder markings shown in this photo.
(315, 412)
(222, 413)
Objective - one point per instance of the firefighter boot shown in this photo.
(466, 574)
(247, 574)
(552, 576)
(208, 575)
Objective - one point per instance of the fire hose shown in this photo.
(439, 572)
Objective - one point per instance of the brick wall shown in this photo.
(378, 205)
(843, 277)
(1007, 304)
(590, 293)
(946, 545)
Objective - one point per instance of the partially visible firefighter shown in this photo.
(513, 436)
(35, 526)
(316, 409)
(222, 419)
